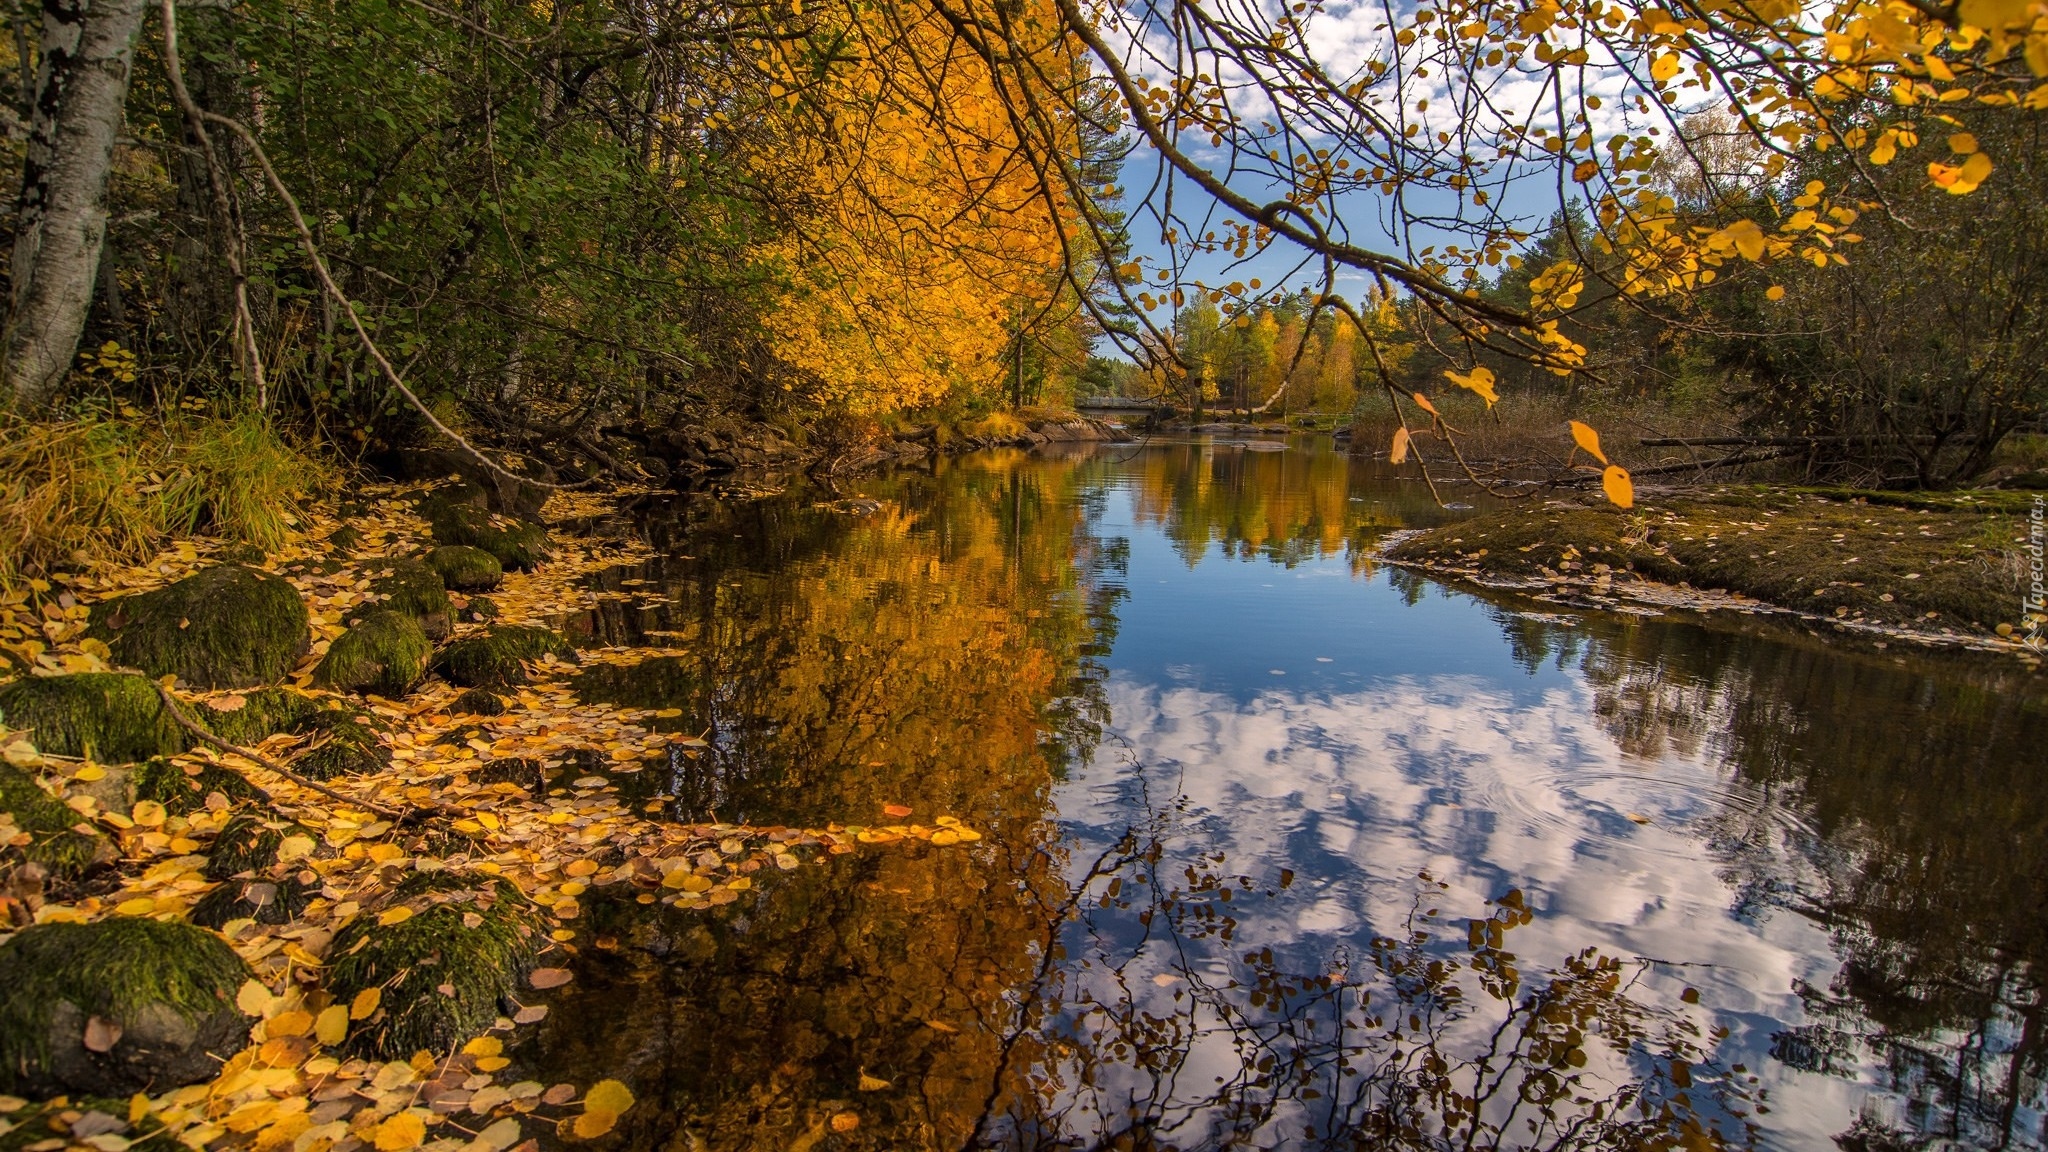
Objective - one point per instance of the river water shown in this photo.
(1288, 849)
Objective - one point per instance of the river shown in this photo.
(1284, 848)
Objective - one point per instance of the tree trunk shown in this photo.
(61, 221)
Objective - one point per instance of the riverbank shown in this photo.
(1941, 568)
(295, 846)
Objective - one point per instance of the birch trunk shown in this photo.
(81, 87)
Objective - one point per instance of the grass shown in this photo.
(1528, 435)
(88, 490)
(1925, 559)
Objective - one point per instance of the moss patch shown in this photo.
(411, 961)
(477, 702)
(262, 713)
(492, 660)
(466, 569)
(226, 627)
(111, 717)
(49, 825)
(481, 610)
(183, 788)
(386, 653)
(517, 545)
(161, 981)
(1909, 559)
(413, 589)
(350, 748)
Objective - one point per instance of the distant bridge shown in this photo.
(1101, 406)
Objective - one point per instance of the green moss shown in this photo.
(517, 545)
(466, 569)
(226, 627)
(386, 653)
(482, 609)
(351, 747)
(115, 969)
(412, 589)
(344, 540)
(492, 659)
(183, 789)
(411, 961)
(246, 843)
(112, 717)
(243, 859)
(263, 712)
(50, 825)
(477, 702)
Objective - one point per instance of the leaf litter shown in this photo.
(292, 1088)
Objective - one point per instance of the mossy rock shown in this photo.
(466, 569)
(225, 627)
(248, 844)
(242, 553)
(412, 961)
(183, 788)
(111, 717)
(411, 589)
(481, 610)
(385, 653)
(492, 659)
(344, 540)
(244, 860)
(477, 702)
(262, 713)
(517, 545)
(169, 987)
(524, 771)
(352, 747)
(54, 843)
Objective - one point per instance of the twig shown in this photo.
(262, 761)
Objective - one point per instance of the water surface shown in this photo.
(1286, 849)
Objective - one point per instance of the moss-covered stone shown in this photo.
(242, 553)
(413, 589)
(386, 653)
(184, 788)
(262, 713)
(481, 610)
(112, 717)
(517, 545)
(225, 627)
(351, 746)
(51, 826)
(524, 771)
(169, 987)
(466, 569)
(244, 858)
(344, 540)
(492, 659)
(477, 702)
(481, 968)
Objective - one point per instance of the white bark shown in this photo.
(88, 50)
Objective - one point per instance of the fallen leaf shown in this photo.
(896, 810)
(846, 1121)
(608, 1096)
(872, 1083)
(365, 1003)
(549, 977)
(400, 1133)
(332, 1025)
(101, 1035)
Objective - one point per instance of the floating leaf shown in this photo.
(896, 810)
(500, 1135)
(549, 977)
(608, 1096)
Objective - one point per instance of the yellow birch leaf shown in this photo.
(1585, 437)
(1423, 403)
(400, 1133)
(1399, 452)
(396, 915)
(365, 1003)
(332, 1026)
(608, 1096)
(1479, 381)
(1621, 492)
(254, 999)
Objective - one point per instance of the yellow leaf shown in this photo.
(1584, 436)
(1994, 15)
(1399, 452)
(1621, 492)
(401, 1132)
(292, 1023)
(90, 773)
(332, 1026)
(1748, 238)
(139, 906)
(872, 1083)
(365, 1003)
(608, 1096)
(1664, 67)
(253, 999)
(149, 814)
(484, 1046)
(395, 915)
(591, 1125)
(1585, 170)
(1423, 403)
(1479, 381)
(1962, 144)
(23, 754)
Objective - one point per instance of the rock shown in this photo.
(166, 989)
(518, 546)
(481, 610)
(183, 789)
(344, 540)
(352, 746)
(244, 859)
(488, 488)
(492, 660)
(111, 717)
(481, 967)
(477, 702)
(412, 589)
(55, 842)
(263, 712)
(225, 627)
(386, 653)
(466, 569)
(524, 771)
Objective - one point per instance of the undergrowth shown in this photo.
(89, 489)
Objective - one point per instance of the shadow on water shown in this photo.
(1284, 849)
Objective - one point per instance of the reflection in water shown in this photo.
(1286, 850)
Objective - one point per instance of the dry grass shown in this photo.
(79, 492)
(1528, 436)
